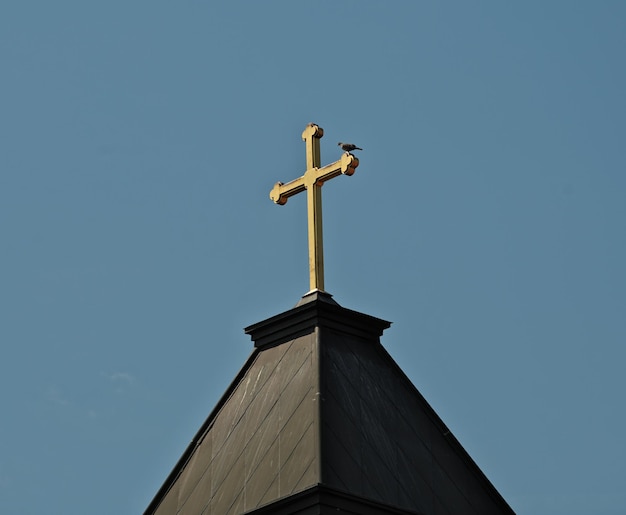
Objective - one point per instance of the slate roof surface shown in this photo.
(321, 411)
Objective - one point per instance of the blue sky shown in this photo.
(138, 144)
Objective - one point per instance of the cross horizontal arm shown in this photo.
(314, 176)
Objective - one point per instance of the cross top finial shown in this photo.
(314, 130)
(312, 181)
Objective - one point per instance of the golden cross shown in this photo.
(312, 180)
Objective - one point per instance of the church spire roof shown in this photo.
(321, 416)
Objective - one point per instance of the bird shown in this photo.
(348, 147)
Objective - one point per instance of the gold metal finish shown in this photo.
(312, 181)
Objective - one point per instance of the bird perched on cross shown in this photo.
(348, 147)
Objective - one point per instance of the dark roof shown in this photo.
(321, 415)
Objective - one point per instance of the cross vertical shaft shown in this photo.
(311, 137)
(312, 181)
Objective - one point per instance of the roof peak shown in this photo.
(315, 309)
(317, 295)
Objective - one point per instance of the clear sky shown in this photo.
(487, 220)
